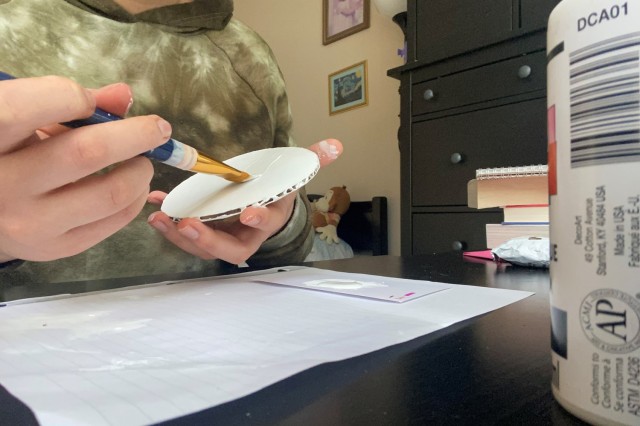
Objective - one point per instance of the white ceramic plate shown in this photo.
(277, 172)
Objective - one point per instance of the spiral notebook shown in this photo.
(508, 186)
(507, 172)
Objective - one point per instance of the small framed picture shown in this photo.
(348, 88)
(341, 18)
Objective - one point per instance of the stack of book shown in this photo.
(523, 195)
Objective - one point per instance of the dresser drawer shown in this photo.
(447, 151)
(534, 14)
(442, 232)
(445, 27)
(506, 78)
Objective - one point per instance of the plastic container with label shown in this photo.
(593, 74)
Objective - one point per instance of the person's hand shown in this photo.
(234, 241)
(52, 204)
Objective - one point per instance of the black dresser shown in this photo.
(473, 95)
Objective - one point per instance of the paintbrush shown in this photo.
(172, 152)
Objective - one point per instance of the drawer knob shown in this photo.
(524, 71)
(428, 95)
(458, 245)
(456, 158)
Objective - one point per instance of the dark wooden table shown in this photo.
(490, 370)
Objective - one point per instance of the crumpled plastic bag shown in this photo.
(524, 251)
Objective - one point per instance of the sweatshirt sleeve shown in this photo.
(292, 243)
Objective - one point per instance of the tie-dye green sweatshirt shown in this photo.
(208, 74)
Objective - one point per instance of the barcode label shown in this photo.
(605, 102)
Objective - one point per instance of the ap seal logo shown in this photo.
(611, 320)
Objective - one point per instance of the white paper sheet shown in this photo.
(144, 355)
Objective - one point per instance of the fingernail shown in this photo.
(252, 220)
(160, 226)
(326, 150)
(126, 111)
(90, 98)
(189, 232)
(128, 88)
(165, 127)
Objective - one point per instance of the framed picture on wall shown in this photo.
(348, 88)
(341, 18)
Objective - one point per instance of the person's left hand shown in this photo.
(237, 240)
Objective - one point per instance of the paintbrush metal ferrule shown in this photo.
(205, 164)
(185, 157)
(172, 152)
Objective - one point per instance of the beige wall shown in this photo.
(370, 164)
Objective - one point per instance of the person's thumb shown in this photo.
(327, 150)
